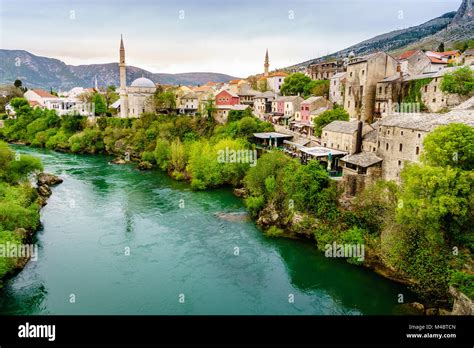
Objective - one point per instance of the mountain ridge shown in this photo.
(447, 28)
(46, 72)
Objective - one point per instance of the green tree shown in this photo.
(451, 145)
(18, 83)
(99, 104)
(295, 84)
(460, 81)
(317, 88)
(441, 47)
(338, 114)
(18, 103)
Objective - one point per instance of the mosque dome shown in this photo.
(143, 82)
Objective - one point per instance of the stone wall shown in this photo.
(388, 148)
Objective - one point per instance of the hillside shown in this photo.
(448, 28)
(42, 72)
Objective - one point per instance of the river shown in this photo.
(115, 240)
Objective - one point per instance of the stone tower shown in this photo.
(123, 82)
(266, 65)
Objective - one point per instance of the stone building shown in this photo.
(467, 57)
(416, 62)
(325, 70)
(344, 135)
(388, 93)
(188, 103)
(362, 76)
(360, 170)
(336, 88)
(400, 137)
(263, 103)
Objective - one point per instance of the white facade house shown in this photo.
(275, 80)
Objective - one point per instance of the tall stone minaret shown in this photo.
(266, 65)
(123, 82)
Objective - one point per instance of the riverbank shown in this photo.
(147, 238)
(18, 248)
(283, 196)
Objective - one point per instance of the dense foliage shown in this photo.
(18, 202)
(337, 114)
(460, 81)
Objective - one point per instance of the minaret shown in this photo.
(123, 82)
(266, 65)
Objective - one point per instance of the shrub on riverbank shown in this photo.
(19, 208)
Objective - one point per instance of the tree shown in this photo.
(295, 84)
(441, 47)
(9, 92)
(460, 81)
(99, 104)
(209, 108)
(19, 103)
(327, 117)
(317, 88)
(306, 185)
(451, 145)
(17, 83)
(164, 101)
(111, 96)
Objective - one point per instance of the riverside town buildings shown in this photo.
(384, 132)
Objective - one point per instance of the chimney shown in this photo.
(358, 148)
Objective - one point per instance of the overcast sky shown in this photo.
(227, 36)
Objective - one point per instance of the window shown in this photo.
(378, 144)
(388, 132)
(324, 144)
(334, 82)
(346, 147)
(401, 132)
(400, 148)
(426, 88)
(434, 100)
(363, 72)
(373, 149)
(417, 151)
(386, 146)
(380, 90)
(350, 90)
(419, 135)
(326, 134)
(361, 90)
(332, 144)
(434, 88)
(399, 163)
(350, 74)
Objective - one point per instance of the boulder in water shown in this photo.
(233, 217)
(48, 179)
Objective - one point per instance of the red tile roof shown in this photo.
(233, 82)
(43, 94)
(437, 61)
(447, 53)
(33, 103)
(407, 54)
